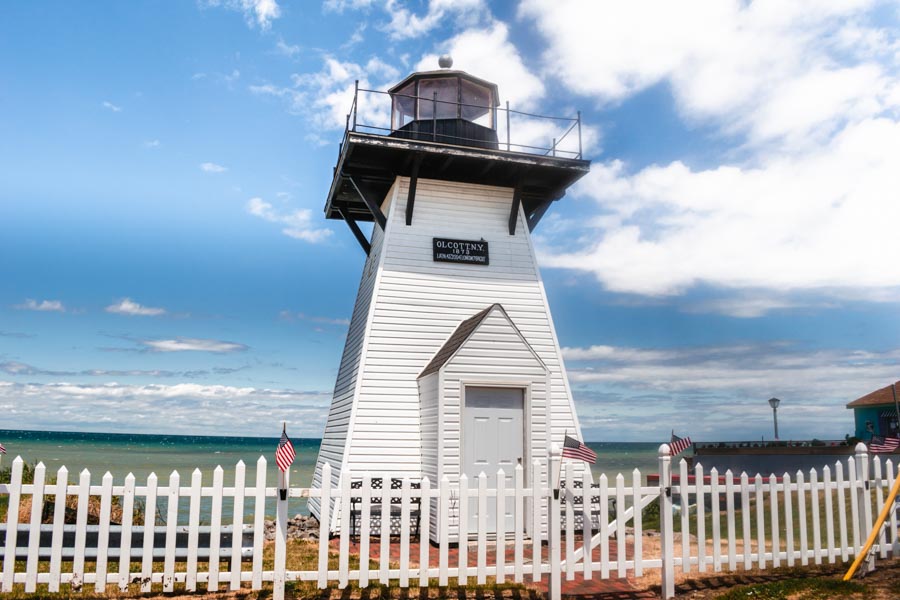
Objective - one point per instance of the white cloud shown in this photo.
(299, 224)
(741, 369)
(184, 344)
(152, 144)
(819, 220)
(356, 37)
(231, 78)
(339, 6)
(209, 167)
(771, 70)
(259, 13)
(289, 50)
(490, 54)
(406, 24)
(22, 369)
(129, 307)
(183, 408)
(265, 11)
(326, 97)
(42, 306)
(720, 392)
(110, 106)
(290, 316)
(749, 305)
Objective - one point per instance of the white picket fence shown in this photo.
(578, 531)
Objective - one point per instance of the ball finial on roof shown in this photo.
(445, 61)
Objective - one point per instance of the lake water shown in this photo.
(141, 455)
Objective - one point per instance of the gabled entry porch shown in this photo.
(483, 409)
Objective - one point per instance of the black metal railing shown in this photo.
(555, 147)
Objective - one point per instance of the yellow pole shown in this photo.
(888, 507)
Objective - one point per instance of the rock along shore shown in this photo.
(299, 527)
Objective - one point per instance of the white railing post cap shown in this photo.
(664, 450)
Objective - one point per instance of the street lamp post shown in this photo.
(774, 402)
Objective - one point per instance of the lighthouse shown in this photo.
(451, 363)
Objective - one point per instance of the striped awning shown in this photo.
(888, 414)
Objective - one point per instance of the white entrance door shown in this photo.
(493, 435)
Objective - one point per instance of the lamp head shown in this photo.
(774, 402)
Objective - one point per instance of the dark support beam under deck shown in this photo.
(514, 209)
(357, 232)
(413, 180)
(535, 216)
(366, 194)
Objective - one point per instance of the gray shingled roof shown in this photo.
(457, 339)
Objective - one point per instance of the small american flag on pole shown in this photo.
(679, 445)
(572, 448)
(2, 449)
(284, 454)
(882, 445)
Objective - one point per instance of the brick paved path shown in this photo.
(593, 589)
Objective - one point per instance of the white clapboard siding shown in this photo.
(334, 438)
(406, 309)
(467, 366)
(431, 427)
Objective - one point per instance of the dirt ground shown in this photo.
(882, 584)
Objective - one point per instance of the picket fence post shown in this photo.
(34, 537)
(59, 515)
(553, 521)
(281, 519)
(666, 532)
(12, 523)
(864, 497)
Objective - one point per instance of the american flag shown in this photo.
(679, 445)
(284, 454)
(572, 448)
(2, 449)
(881, 445)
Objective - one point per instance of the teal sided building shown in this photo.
(876, 413)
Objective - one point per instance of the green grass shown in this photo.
(750, 513)
(799, 589)
(301, 556)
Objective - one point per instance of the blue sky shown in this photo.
(166, 266)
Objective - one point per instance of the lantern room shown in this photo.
(446, 106)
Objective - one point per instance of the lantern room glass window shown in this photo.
(443, 98)
(404, 106)
(444, 104)
(476, 103)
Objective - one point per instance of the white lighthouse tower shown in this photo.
(451, 363)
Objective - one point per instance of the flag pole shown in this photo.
(282, 491)
(559, 475)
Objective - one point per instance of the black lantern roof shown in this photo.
(448, 73)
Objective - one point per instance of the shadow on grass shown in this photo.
(813, 583)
